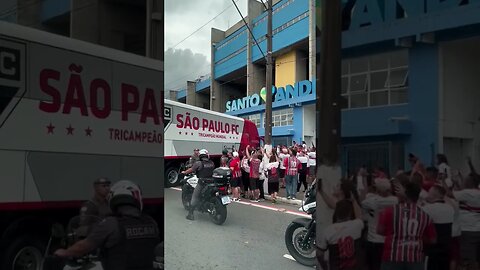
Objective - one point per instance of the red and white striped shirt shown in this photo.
(406, 226)
(292, 165)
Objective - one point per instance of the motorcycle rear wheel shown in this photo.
(218, 212)
(293, 239)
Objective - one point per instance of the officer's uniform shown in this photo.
(126, 242)
(203, 169)
(193, 159)
(93, 211)
(94, 207)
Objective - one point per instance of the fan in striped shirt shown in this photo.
(405, 227)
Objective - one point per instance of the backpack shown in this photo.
(273, 171)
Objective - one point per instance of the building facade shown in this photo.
(410, 82)
(100, 22)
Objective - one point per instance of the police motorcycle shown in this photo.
(78, 228)
(214, 197)
(301, 232)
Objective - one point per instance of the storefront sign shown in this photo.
(371, 12)
(288, 93)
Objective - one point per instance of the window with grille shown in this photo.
(375, 80)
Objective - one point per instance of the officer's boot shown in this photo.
(190, 215)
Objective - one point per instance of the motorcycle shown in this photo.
(214, 196)
(301, 232)
(78, 228)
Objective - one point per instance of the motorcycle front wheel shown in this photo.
(218, 211)
(303, 253)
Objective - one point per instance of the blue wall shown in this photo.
(423, 101)
(283, 39)
(202, 85)
(375, 121)
(231, 65)
(181, 94)
(234, 46)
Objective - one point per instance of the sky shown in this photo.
(190, 58)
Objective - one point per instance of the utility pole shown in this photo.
(329, 84)
(269, 79)
(328, 100)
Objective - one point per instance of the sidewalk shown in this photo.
(282, 197)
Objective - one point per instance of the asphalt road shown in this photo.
(251, 238)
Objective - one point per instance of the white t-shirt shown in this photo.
(445, 169)
(444, 213)
(439, 212)
(422, 198)
(303, 159)
(312, 158)
(282, 156)
(337, 233)
(373, 205)
(469, 202)
(456, 228)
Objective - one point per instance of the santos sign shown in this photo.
(288, 94)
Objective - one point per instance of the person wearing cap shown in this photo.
(98, 205)
(236, 176)
(373, 204)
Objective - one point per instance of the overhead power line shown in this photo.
(205, 24)
(249, 30)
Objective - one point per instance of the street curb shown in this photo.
(284, 200)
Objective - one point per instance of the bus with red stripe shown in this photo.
(188, 127)
(71, 112)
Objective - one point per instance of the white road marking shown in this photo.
(282, 210)
(288, 256)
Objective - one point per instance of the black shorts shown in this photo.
(235, 182)
(272, 187)
(253, 183)
(282, 173)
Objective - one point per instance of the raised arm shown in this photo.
(329, 200)
(247, 150)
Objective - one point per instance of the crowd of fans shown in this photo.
(260, 171)
(426, 218)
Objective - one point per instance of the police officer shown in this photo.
(204, 170)
(98, 205)
(127, 239)
(194, 158)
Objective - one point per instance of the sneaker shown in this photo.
(261, 200)
(288, 198)
(257, 200)
(293, 198)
